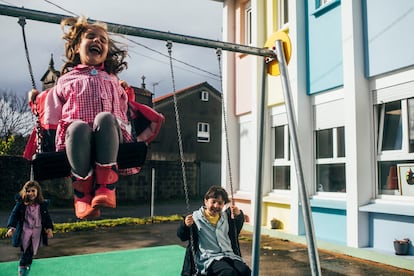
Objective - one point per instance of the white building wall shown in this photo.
(303, 109)
(229, 98)
(247, 155)
(358, 126)
(258, 17)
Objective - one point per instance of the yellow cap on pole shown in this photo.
(273, 66)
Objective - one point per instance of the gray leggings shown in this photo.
(85, 145)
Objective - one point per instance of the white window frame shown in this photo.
(248, 24)
(203, 132)
(329, 113)
(335, 159)
(405, 131)
(385, 89)
(399, 155)
(204, 96)
(323, 2)
(283, 9)
(279, 119)
(324, 6)
(284, 161)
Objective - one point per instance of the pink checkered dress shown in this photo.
(83, 93)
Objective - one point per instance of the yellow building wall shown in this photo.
(279, 211)
(243, 98)
(274, 91)
(272, 209)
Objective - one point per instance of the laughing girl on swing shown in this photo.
(89, 108)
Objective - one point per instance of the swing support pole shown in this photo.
(259, 178)
(304, 199)
(139, 32)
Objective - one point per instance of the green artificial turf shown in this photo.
(161, 260)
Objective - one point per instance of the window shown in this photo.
(324, 6)
(411, 124)
(324, 2)
(248, 24)
(391, 126)
(395, 143)
(330, 163)
(281, 161)
(283, 11)
(204, 96)
(203, 132)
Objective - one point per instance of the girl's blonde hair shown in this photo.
(114, 62)
(32, 184)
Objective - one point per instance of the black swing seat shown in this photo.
(50, 165)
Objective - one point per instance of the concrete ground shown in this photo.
(277, 256)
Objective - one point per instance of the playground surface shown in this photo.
(154, 249)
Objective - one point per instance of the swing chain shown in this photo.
(223, 105)
(180, 146)
(22, 23)
(39, 135)
(177, 118)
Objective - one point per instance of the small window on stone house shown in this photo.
(203, 132)
(204, 96)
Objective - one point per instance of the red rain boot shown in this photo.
(106, 179)
(82, 189)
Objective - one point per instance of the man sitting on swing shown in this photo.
(89, 108)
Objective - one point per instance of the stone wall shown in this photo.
(14, 172)
(170, 179)
(168, 183)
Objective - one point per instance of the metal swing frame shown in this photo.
(277, 53)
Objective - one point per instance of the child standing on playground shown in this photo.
(88, 106)
(215, 231)
(29, 224)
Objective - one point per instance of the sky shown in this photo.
(147, 57)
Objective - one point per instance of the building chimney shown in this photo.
(51, 63)
(143, 82)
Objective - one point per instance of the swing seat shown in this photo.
(50, 165)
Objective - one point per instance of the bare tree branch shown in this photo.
(15, 115)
